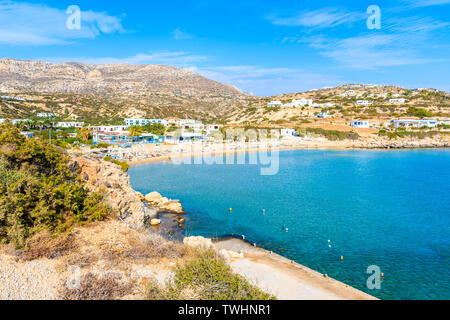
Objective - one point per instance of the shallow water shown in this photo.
(384, 208)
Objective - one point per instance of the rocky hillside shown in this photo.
(128, 90)
(107, 79)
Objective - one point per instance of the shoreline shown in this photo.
(284, 148)
(285, 278)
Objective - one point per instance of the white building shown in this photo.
(412, 123)
(323, 105)
(183, 122)
(297, 103)
(400, 100)
(323, 115)
(348, 93)
(302, 102)
(213, 127)
(274, 104)
(106, 129)
(12, 98)
(46, 115)
(196, 126)
(287, 132)
(144, 122)
(364, 102)
(360, 124)
(70, 124)
(18, 121)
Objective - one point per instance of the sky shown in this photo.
(262, 47)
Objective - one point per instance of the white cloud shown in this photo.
(181, 59)
(372, 52)
(267, 81)
(321, 18)
(36, 24)
(182, 35)
(426, 3)
(400, 42)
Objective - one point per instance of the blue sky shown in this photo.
(263, 47)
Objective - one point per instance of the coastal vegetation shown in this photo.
(411, 134)
(122, 164)
(206, 276)
(39, 190)
(333, 135)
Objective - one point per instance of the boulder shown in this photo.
(155, 222)
(198, 242)
(172, 206)
(160, 202)
(153, 196)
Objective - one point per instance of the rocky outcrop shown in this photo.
(404, 143)
(163, 204)
(198, 242)
(109, 179)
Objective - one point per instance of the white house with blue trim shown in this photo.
(144, 122)
(360, 124)
(287, 132)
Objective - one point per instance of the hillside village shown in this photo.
(363, 109)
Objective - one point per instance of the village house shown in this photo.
(19, 121)
(213, 127)
(323, 105)
(196, 126)
(46, 115)
(322, 115)
(412, 123)
(288, 132)
(12, 98)
(348, 93)
(70, 125)
(107, 129)
(123, 139)
(360, 124)
(298, 103)
(400, 100)
(364, 102)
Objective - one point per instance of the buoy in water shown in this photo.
(342, 258)
(231, 209)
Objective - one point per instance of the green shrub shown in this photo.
(418, 112)
(38, 190)
(206, 277)
(333, 135)
(122, 164)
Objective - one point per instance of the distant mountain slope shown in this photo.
(111, 78)
(113, 91)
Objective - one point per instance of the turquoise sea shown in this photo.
(384, 208)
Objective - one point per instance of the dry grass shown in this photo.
(46, 245)
(99, 287)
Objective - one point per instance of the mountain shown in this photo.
(147, 89)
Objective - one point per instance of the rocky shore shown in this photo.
(130, 206)
(404, 143)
